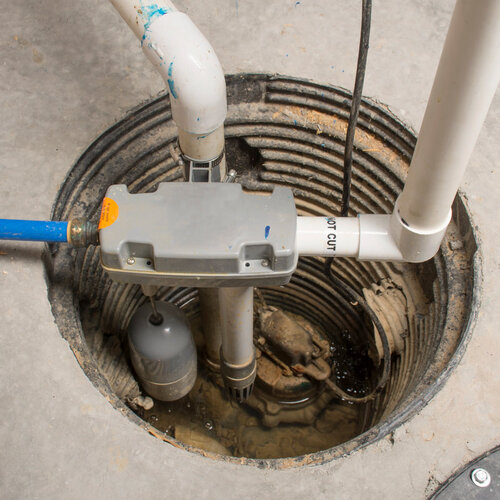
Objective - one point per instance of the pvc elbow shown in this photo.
(369, 237)
(191, 70)
(417, 243)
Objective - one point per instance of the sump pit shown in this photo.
(280, 131)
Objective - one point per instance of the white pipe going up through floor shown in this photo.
(464, 86)
(465, 83)
(190, 68)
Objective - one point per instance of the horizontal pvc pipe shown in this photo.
(366, 237)
(328, 236)
(465, 83)
(184, 58)
(33, 230)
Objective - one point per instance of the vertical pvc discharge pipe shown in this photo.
(211, 321)
(238, 366)
(464, 86)
(237, 318)
(34, 230)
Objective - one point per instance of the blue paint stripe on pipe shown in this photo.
(33, 230)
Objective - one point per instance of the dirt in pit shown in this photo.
(207, 419)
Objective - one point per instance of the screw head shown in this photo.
(265, 263)
(481, 477)
(130, 261)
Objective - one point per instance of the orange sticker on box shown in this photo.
(109, 213)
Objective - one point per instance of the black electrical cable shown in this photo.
(364, 42)
(348, 292)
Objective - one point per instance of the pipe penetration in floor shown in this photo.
(279, 132)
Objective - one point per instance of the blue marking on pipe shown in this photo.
(266, 231)
(171, 84)
(33, 230)
(205, 135)
(172, 89)
(149, 13)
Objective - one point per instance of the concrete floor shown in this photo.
(68, 71)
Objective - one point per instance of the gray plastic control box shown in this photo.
(199, 234)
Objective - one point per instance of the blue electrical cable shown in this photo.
(33, 230)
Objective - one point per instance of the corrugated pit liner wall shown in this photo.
(281, 131)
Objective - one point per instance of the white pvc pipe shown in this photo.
(464, 86)
(204, 147)
(366, 237)
(465, 83)
(211, 323)
(185, 60)
(236, 310)
(139, 14)
(328, 236)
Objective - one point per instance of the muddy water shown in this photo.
(208, 419)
